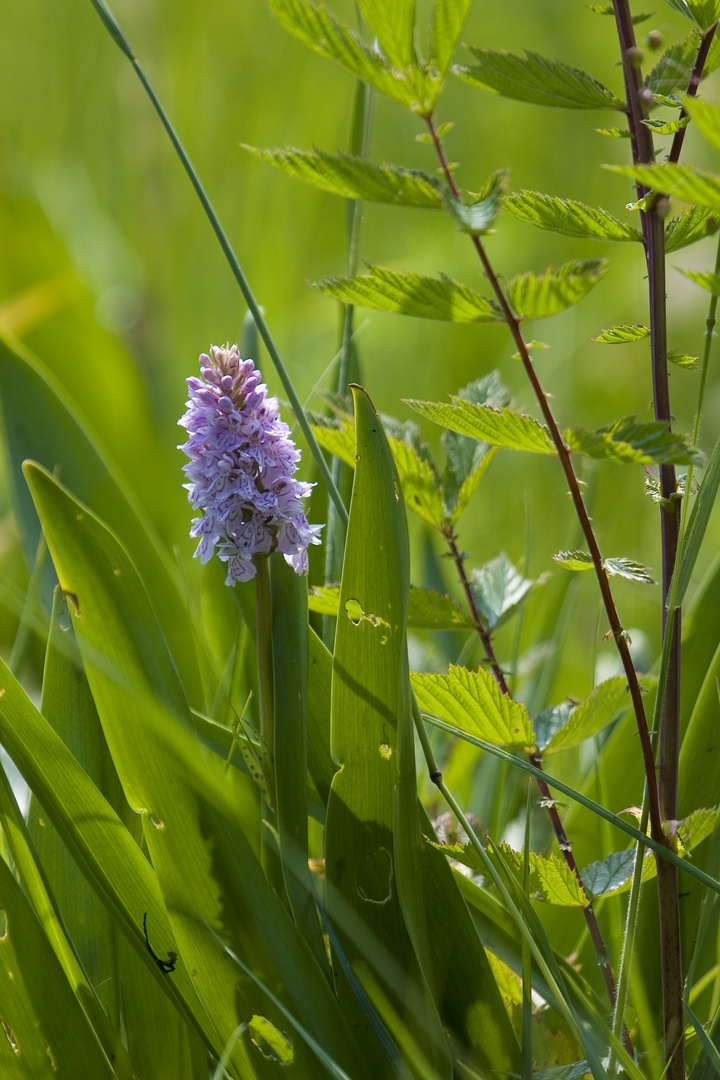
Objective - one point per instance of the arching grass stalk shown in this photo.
(121, 41)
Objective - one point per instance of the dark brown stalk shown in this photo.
(698, 68)
(563, 453)
(548, 801)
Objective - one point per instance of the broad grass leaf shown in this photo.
(372, 741)
(447, 18)
(567, 216)
(408, 293)
(355, 177)
(473, 702)
(683, 181)
(57, 437)
(318, 28)
(44, 1024)
(538, 80)
(205, 866)
(536, 297)
(497, 426)
(427, 610)
(499, 589)
(699, 521)
(631, 440)
(619, 335)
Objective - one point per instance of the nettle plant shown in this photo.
(226, 868)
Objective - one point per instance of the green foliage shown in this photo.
(472, 701)
(689, 226)
(538, 80)
(427, 610)
(703, 12)
(411, 294)
(535, 297)
(706, 279)
(447, 18)
(706, 118)
(626, 568)
(477, 216)
(498, 590)
(561, 728)
(494, 425)
(630, 440)
(619, 335)
(567, 216)
(354, 177)
(683, 181)
(673, 69)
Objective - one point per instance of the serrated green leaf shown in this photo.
(671, 101)
(706, 117)
(619, 335)
(477, 216)
(472, 700)
(447, 18)
(394, 27)
(411, 294)
(607, 9)
(536, 297)
(567, 216)
(317, 28)
(703, 12)
(615, 132)
(499, 427)
(673, 69)
(550, 721)
(615, 567)
(338, 439)
(420, 482)
(427, 609)
(631, 439)
(667, 127)
(538, 80)
(690, 363)
(706, 279)
(592, 715)
(550, 879)
(354, 177)
(467, 459)
(498, 589)
(612, 875)
(691, 225)
(683, 181)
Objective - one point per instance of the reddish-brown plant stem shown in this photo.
(548, 800)
(698, 68)
(563, 453)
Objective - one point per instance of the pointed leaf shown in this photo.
(667, 127)
(499, 427)
(605, 703)
(641, 16)
(626, 568)
(447, 18)
(683, 181)
(690, 363)
(355, 177)
(618, 335)
(477, 216)
(615, 132)
(574, 559)
(536, 297)
(394, 27)
(567, 216)
(703, 12)
(467, 459)
(705, 116)
(630, 439)
(674, 68)
(551, 879)
(547, 723)
(499, 589)
(411, 294)
(472, 700)
(706, 279)
(317, 28)
(536, 79)
(420, 483)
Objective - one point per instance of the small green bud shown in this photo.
(654, 40)
(635, 56)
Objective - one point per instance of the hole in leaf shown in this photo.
(385, 751)
(373, 876)
(269, 1041)
(117, 570)
(155, 820)
(396, 490)
(53, 1060)
(354, 612)
(10, 1036)
(3, 925)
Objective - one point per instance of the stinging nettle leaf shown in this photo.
(674, 68)
(551, 879)
(690, 363)
(536, 297)
(615, 567)
(706, 118)
(691, 225)
(615, 132)
(607, 9)
(466, 458)
(632, 440)
(317, 28)
(498, 589)
(472, 700)
(683, 181)
(354, 177)
(608, 700)
(667, 127)
(703, 12)
(394, 26)
(567, 216)
(497, 426)
(477, 216)
(706, 279)
(411, 294)
(447, 18)
(538, 80)
(618, 335)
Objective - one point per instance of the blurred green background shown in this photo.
(110, 273)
